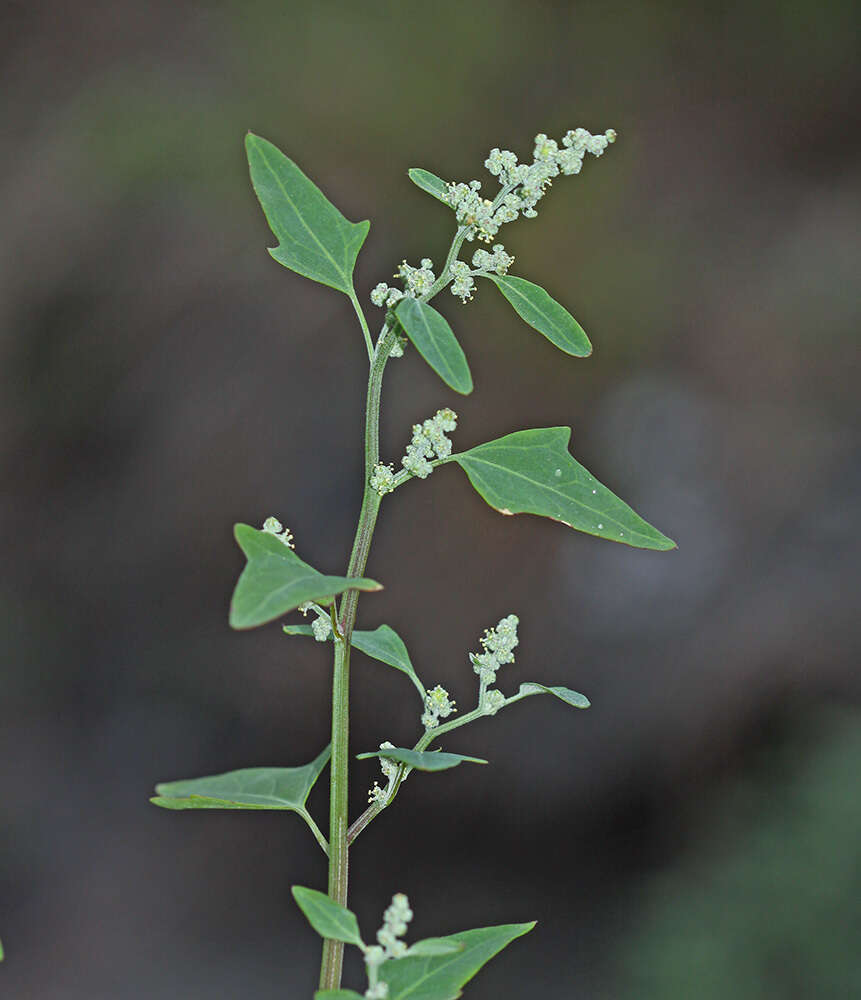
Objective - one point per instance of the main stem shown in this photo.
(333, 951)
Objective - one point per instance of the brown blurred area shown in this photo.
(696, 833)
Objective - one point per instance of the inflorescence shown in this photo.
(321, 627)
(272, 526)
(395, 921)
(429, 442)
(497, 648)
(438, 705)
(390, 770)
(522, 186)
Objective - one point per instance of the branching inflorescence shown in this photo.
(528, 471)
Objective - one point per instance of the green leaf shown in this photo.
(531, 472)
(422, 760)
(249, 788)
(315, 240)
(433, 185)
(337, 995)
(442, 977)
(436, 343)
(383, 644)
(276, 581)
(328, 918)
(431, 947)
(544, 314)
(2, 953)
(573, 698)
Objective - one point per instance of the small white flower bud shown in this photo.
(383, 479)
(379, 294)
(493, 701)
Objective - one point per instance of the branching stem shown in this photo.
(333, 951)
(339, 841)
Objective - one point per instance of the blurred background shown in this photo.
(697, 833)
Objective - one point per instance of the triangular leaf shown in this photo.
(427, 760)
(544, 314)
(433, 185)
(249, 788)
(328, 918)
(276, 580)
(436, 343)
(531, 472)
(315, 239)
(573, 698)
(337, 995)
(383, 644)
(442, 977)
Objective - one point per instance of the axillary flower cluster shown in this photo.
(395, 921)
(429, 442)
(497, 649)
(522, 186)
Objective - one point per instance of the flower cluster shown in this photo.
(383, 478)
(417, 281)
(497, 648)
(438, 705)
(321, 627)
(482, 262)
(523, 184)
(395, 921)
(380, 990)
(272, 526)
(390, 772)
(429, 441)
(322, 624)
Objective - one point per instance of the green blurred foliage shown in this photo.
(770, 904)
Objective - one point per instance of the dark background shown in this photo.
(696, 833)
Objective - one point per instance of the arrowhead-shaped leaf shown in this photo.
(436, 343)
(433, 185)
(383, 644)
(249, 788)
(573, 698)
(544, 314)
(532, 472)
(442, 977)
(422, 760)
(276, 581)
(337, 995)
(315, 240)
(328, 918)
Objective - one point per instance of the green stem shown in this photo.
(333, 951)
